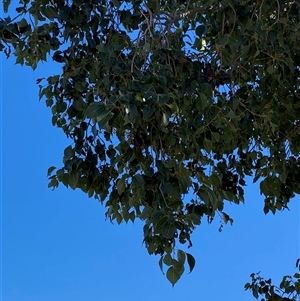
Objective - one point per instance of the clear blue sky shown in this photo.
(56, 245)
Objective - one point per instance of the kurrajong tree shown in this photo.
(169, 105)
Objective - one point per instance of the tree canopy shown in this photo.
(171, 106)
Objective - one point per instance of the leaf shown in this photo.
(181, 257)
(169, 230)
(255, 291)
(298, 263)
(173, 106)
(169, 189)
(216, 136)
(73, 180)
(231, 114)
(90, 193)
(138, 180)
(247, 286)
(245, 50)
(148, 112)
(160, 263)
(96, 110)
(201, 30)
(203, 99)
(50, 170)
(53, 79)
(165, 120)
(196, 220)
(50, 13)
(168, 260)
(159, 223)
(102, 121)
(191, 261)
(80, 86)
(170, 163)
(271, 69)
(132, 216)
(202, 193)
(119, 218)
(172, 275)
(121, 185)
(132, 112)
(68, 152)
(153, 5)
(207, 145)
(256, 53)
(222, 40)
(53, 183)
(39, 80)
(266, 209)
(178, 267)
(6, 4)
(227, 218)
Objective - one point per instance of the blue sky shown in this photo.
(57, 245)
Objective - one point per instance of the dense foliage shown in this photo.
(169, 105)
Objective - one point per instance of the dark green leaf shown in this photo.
(132, 112)
(168, 260)
(121, 185)
(231, 114)
(172, 275)
(6, 4)
(96, 110)
(196, 220)
(160, 263)
(138, 180)
(271, 69)
(298, 263)
(207, 145)
(168, 231)
(73, 180)
(191, 261)
(181, 257)
(216, 136)
(178, 267)
(68, 152)
(148, 112)
(222, 40)
(50, 170)
(201, 30)
(296, 275)
(119, 218)
(203, 99)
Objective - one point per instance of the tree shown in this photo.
(164, 99)
(288, 290)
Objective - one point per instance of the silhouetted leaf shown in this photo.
(172, 275)
(191, 261)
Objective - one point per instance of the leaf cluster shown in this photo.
(288, 290)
